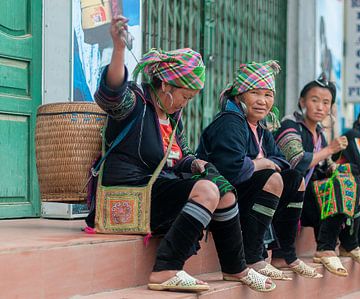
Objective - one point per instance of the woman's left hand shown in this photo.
(198, 166)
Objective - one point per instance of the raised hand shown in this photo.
(119, 32)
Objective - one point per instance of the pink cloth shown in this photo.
(259, 143)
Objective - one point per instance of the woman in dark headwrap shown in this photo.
(242, 148)
(331, 198)
(180, 207)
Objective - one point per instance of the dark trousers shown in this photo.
(328, 231)
(332, 228)
(285, 219)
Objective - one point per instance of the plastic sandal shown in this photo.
(332, 264)
(354, 254)
(180, 282)
(253, 280)
(305, 270)
(270, 271)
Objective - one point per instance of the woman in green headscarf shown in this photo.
(181, 208)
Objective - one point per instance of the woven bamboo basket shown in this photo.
(68, 140)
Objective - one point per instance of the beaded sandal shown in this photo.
(354, 254)
(253, 280)
(180, 282)
(274, 273)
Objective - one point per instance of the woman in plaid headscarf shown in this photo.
(181, 208)
(238, 142)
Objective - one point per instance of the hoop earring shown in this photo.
(243, 107)
(171, 98)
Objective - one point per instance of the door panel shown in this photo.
(20, 95)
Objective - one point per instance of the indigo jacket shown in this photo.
(229, 143)
(134, 160)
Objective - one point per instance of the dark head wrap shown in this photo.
(320, 82)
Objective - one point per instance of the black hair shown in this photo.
(356, 124)
(320, 82)
(156, 82)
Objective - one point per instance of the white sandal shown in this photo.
(253, 280)
(332, 264)
(305, 270)
(180, 282)
(272, 272)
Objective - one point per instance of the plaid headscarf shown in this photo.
(180, 68)
(253, 76)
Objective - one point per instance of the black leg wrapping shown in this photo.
(228, 241)
(285, 223)
(256, 223)
(179, 241)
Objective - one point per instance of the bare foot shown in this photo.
(258, 265)
(325, 253)
(281, 263)
(162, 276)
(268, 282)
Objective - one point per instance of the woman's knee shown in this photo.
(274, 184)
(206, 193)
(228, 200)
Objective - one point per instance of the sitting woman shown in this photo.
(180, 207)
(331, 196)
(242, 148)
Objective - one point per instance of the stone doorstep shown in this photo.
(328, 287)
(54, 259)
(43, 258)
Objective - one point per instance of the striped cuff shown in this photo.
(263, 210)
(227, 215)
(199, 212)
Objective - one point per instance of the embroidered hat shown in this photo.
(180, 68)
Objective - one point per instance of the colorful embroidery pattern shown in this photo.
(337, 195)
(123, 209)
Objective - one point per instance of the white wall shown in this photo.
(301, 49)
(57, 51)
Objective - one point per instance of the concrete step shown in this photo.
(45, 258)
(355, 295)
(42, 258)
(328, 287)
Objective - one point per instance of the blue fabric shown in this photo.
(230, 145)
(81, 88)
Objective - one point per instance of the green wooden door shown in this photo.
(20, 95)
